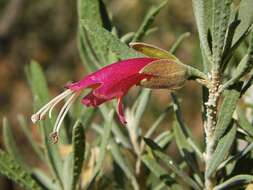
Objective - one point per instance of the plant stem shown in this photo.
(211, 120)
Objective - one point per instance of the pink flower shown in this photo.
(159, 70)
(112, 81)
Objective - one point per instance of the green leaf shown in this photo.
(183, 136)
(148, 20)
(108, 41)
(156, 124)
(47, 181)
(141, 105)
(121, 137)
(238, 156)
(13, 170)
(87, 54)
(244, 66)
(231, 97)
(221, 15)
(119, 158)
(103, 146)
(89, 9)
(123, 163)
(203, 16)
(67, 170)
(184, 148)
(164, 139)
(221, 151)
(127, 38)
(10, 144)
(37, 83)
(246, 19)
(244, 123)
(157, 170)
(25, 128)
(78, 154)
(39, 88)
(183, 132)
(228, 51)
(178, 42)
(176, 169)
(238, 181)
(93, 55)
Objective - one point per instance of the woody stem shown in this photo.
(211, 108)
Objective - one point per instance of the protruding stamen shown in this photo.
(41, 113)
(64, 111)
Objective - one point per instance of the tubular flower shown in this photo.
(114, 81)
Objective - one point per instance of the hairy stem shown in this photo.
(211, 107)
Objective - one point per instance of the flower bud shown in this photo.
(164, 73)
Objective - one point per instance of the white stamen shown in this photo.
(63, 112)
(49, 108)
(41, 113)
(61, 116)
(52, 107)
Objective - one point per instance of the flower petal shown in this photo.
(112, 73)
(118, 88)
(121, 112)
(92, 100)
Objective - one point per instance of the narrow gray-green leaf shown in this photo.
(119, 135)
(231, 97)
(244, 66)
(238, 181)
(119, 158)
(184, 148)
(25, 128)
(244, 123)
(142, 103)
(103, 146)
(238, 156)
(157, 170)
(37, 83)
(47, 181)
(78, 140)
(221, 15)
(156, 124)
(39, 88)
(108, 40)
(14, 171)
(173, 166)
(87, 54)
(9, 142)
(203, 16)
(183, 130)
(148, 20)
(164, 139)
(178, 42)
(123, 163)
(221, 151)
(67, 171)
(246, 19)
(89, 9)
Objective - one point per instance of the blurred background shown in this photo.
(45, 30)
